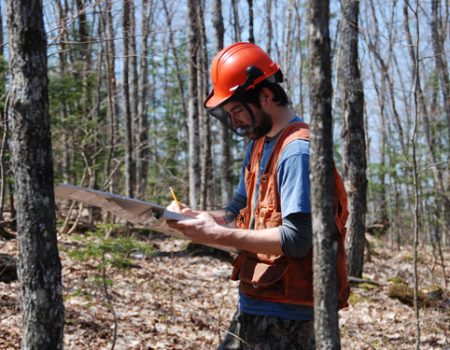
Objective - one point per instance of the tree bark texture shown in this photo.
(268, 20)
(194, 146)
(129, 161)
(438, 39)
(251, 36)
(354, 136)
(142, 162)
(112, 106)
(236, 22)
(441, 57)
(322, 182)
(226, 166)
(206, 167)
(39, 264)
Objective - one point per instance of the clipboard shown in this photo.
(147, 214)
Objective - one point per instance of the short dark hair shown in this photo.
(279, 95)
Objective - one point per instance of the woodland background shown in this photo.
(121, 82)
(127, 80)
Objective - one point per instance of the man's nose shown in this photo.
(235, 121)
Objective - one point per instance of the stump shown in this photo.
(8, 268)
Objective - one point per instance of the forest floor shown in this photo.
(177, 300)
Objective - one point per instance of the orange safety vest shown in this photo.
(280, 278)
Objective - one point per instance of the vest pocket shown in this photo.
(267, 217)
(263, 279)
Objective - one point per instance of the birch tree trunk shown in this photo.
(354, 136)
(322, 183)
(39, 264)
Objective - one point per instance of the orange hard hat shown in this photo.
(237, 68)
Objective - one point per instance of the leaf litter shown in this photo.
(175, 300)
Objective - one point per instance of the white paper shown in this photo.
(150, 215)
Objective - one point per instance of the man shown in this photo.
(271, 206)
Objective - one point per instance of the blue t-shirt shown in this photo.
(293, 177)
(294, 190)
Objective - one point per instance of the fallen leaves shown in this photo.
(178, 301)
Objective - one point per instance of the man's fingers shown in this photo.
(182, 223)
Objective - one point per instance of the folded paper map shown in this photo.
(152, 216)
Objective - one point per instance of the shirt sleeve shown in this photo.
(296, 235)
(293, 179)
(237, 203)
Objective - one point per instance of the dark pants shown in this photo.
(252, 332)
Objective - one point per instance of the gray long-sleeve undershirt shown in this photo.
(296, 235)
(295, 230)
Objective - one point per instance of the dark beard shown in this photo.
(263, 127)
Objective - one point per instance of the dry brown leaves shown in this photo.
(178, 301)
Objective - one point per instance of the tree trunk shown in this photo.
(288, 31)
(251, 36)
(438, 39)
(193, 125)
(176, 61)
(268, 19)
(63, 61)
(112, 131)
(87, 108)
(206, 168)
(134, 90)
(4, 124)
(440, 54)
(354, 136)
(39, 264)
(381, 201)
(322, 184)
(236, 24)
(129, 163)
(143, 137)
(225, 159)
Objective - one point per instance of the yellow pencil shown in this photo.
(174, 195)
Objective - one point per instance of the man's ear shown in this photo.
(266, 97)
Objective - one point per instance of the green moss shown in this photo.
(397, 279)
(405, 294)
(409, 258)
(356, 298)
(368, 286)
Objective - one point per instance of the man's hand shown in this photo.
(182, 208)
(203, 229)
